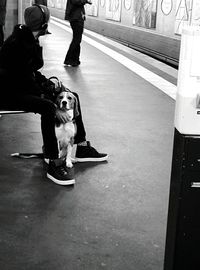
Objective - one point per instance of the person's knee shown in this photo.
(49, 108)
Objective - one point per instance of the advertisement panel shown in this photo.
(144, 14)
(92, 10)
(113, 9)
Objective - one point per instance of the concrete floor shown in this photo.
(115, 216)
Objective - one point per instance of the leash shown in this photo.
(27, 155)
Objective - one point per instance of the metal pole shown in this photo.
(183, 225)
(20, 17)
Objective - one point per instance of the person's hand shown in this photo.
(89, 2)
(62, 116)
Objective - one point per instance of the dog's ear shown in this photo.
(76, 111)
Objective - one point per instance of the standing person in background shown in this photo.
(2, 19)
(75, 14)
(40, 2)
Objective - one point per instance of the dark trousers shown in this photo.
(73, 52)
(46, 108)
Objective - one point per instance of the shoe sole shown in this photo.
(61, 182)
(90, 159)
(71, 65)
(74, 160)
(46, 160)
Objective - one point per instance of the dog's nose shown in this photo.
(64, 103)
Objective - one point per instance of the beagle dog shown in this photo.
(65, 132)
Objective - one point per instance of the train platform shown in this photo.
(115, 216)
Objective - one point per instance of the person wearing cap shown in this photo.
(41, 2)
(20, 59)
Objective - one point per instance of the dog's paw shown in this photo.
(69, 164)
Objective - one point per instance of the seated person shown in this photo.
(20, 59)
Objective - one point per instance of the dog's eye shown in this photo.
(69, 98)
(60, 97)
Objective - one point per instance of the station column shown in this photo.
(183, 226)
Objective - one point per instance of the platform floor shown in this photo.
(115, 216)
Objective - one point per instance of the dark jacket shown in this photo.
(20, 59)
(75, 10)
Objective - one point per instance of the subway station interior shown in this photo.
(138, 86)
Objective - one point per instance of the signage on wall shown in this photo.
(144, 13)
(166, 6)
(102, 3)
(113, 9)
(127, 4)
(51, 3)
(92, 10)
(187, 13)
(196, 13)
(57, 3)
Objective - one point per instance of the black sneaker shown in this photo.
(89, 153)
(59, 175)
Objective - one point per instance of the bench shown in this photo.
(10, 112)
(21, 155)
(3, 112)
